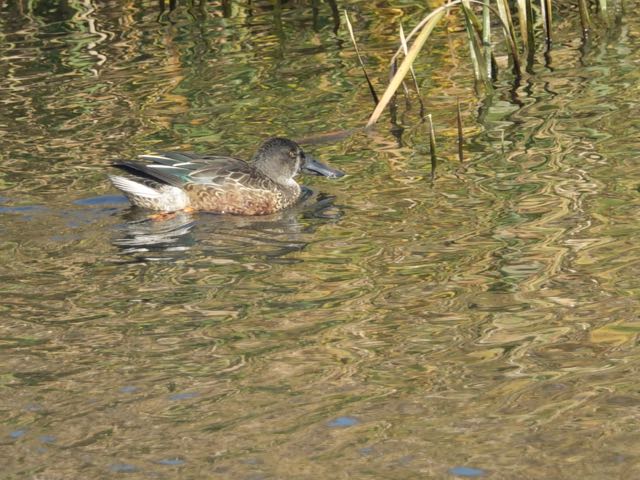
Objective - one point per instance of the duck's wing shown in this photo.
(181, 168)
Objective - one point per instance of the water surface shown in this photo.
(480, 325)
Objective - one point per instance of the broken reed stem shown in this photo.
(486, 38)
(584, 18)
(545, 8)
(460, 136)
(432, 147)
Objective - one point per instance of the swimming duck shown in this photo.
(173, 181)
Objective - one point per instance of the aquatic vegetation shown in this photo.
(480, 34)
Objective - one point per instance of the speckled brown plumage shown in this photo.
(239, 199)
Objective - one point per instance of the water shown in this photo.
(483, 325)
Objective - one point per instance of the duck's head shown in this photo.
(282, 159)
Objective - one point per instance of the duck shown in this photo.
(169, 182)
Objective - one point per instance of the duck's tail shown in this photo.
(131, 187)
(147, 193)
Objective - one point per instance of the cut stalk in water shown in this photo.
(602, 7)
(486, 37)
(364, 70)
(522, 17)
(460, 136)
(584, 17)
(393, 102)
(432, 147)
(525, 13)
(545, 8)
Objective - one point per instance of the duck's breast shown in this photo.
(235, 199)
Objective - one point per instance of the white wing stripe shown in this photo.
(153, 157)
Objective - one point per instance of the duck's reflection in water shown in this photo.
(141, 233)
(226, 236)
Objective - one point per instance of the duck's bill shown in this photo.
(313, 166)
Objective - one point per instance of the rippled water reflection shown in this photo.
(386, 327)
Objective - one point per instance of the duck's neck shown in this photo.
(291, 186)
(270, 170)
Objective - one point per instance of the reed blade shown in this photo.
(472, 26)
(525, 14)
(483, 34)
(510, 33)
(374, 95)
(431, 21)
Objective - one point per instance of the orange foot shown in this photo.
(158, 217)
(161, 216)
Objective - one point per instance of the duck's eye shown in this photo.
(293, 154)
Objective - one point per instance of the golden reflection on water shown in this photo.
(385, 327)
